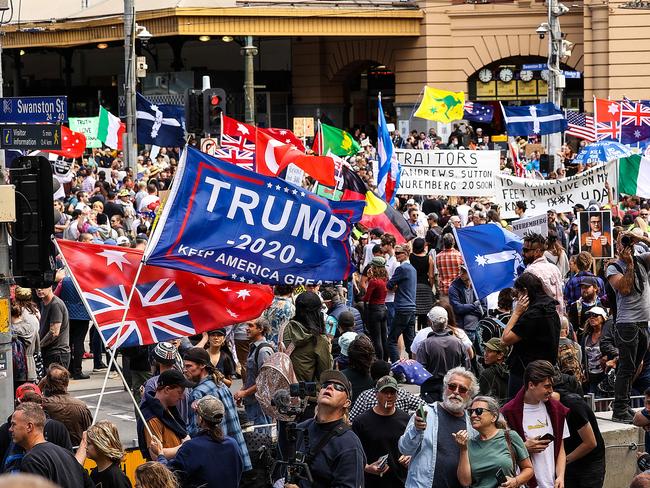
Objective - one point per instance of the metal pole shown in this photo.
(131, 149)
(555, 78)
(6, 361)
(249, 51)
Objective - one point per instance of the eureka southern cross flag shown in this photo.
(491, 254)
(542, 118)
(159, 124)
(224, 221)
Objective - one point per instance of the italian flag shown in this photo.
(335, 141)
(110, 129)
(634, 176)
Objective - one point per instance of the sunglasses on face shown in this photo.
(478, 411)
(336, 386)
(456, 387)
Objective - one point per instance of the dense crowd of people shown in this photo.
(501, 379)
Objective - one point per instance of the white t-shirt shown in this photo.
(537, 423)
(391, 265)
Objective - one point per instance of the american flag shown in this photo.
(520, 170)
(237, 150)
(580, 125)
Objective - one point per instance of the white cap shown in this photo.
(410, 201)
(438, 315)
(123, 240)
(597, 311)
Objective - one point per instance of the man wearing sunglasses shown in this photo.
(428, 438)
(333, 452)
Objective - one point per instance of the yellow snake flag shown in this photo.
(441, 105)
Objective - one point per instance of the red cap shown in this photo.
(24, 388)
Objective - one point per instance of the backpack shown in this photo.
(567, 360)
(488, 327)
(19, 361)
(275, 374)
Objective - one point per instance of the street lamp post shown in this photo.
(130, 147)
(249, 51)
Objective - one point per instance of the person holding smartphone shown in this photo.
(491, 459)
(541, 422)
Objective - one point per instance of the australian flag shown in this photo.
(491, 254)
(543, 118)
(160, 124)
(478, 112)
(635, 121)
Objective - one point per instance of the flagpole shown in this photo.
(103, 390)
(108, 349)
(417, 104)
(320, 137)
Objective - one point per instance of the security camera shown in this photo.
(143, 34)
(542, 30)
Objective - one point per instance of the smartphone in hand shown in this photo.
(547, 437)
(500, 477)
(422, 412)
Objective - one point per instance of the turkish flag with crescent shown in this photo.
(166, 303)
(73, 144)
(235, 128)
(272, 157)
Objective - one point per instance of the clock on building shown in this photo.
(506, 75)
(526, 75)
(544, 75)
(485, 75)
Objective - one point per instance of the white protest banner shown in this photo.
(560, 195)
(88, 126)
(448, 173)
(537, 225)
(294, 175)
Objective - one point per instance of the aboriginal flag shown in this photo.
(377, 212)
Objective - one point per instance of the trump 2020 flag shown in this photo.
(543, 118)
(389, 170)
(159, 124)
(491, 254)
(165, 304)
(224, 221)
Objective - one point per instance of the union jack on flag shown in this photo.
(635, 122)
(166, 303)
(237, 150)
(608, 131)
(166, 315)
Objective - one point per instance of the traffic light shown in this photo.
(214, 105)
(32, 247)
(194, 111)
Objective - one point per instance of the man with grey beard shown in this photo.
(429, 441)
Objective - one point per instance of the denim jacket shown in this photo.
(421, 446)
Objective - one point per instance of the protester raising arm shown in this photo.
(509, 337)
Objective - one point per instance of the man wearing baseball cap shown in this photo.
(336, 454)
(198, 369)
(493, 380)
(379, 430)
(160, 412)
(577, 313)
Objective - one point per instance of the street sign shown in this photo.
(572, 74)
(534, 67)
(34, 110)
(30, 137)
(209, 146)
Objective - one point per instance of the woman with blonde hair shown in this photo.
(101, 443)
(154, 475)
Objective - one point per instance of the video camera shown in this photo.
(293, 402)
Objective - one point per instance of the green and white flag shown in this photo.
(634, 176)
(110, 129)
(88, 126)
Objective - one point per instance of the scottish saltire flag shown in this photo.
(160, 124)
(543, 118)
(635, 121)
(389, 168)
(491, 254)
(478, 112)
